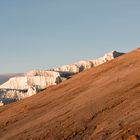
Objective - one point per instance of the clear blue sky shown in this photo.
(41, 34)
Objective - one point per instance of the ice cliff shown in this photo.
(84, 65)
(17, 88)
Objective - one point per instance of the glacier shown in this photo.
(34, 81)
(87, 64)
(18, 88)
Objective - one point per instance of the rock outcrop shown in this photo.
(134, 137)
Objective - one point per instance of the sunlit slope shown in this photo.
(101, 103)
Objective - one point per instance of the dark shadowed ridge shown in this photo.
(6, 77)
(102, 103)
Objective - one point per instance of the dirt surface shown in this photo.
(102, 103)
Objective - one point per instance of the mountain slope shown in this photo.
(102, 103)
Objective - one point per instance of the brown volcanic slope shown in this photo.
(102, 103)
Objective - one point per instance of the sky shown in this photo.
(43, 34)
